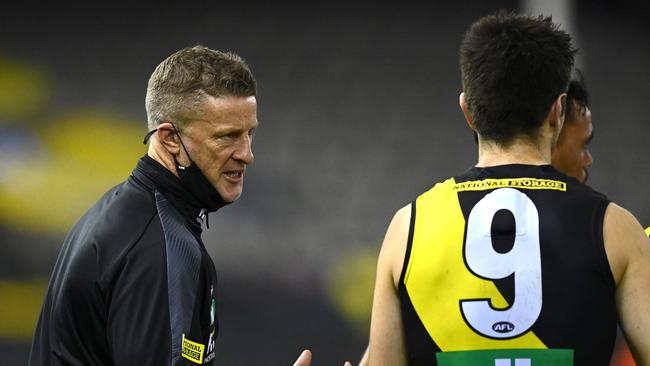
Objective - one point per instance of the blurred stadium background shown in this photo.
(358, 110)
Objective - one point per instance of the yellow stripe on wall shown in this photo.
(437, 278)
(20, 305)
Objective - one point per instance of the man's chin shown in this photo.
(230, 197)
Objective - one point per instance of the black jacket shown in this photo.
(133, 284)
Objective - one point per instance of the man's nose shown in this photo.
(244, 150)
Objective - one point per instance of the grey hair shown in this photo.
(180, 84)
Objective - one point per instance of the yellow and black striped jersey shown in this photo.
(506, 266)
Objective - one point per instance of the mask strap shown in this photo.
(183, 145)
(150, 133)
(148, 136)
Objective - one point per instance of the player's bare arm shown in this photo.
(364, 358)
(386, 331)
(628, 251)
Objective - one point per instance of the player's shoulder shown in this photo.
(624, 238)
(439, 187)
(617, 216)
(402, 217)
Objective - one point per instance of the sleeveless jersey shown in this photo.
(506, 266)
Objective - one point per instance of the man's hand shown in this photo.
(305, 359)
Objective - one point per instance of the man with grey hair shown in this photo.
(133, 284)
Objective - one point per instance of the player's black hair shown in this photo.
(513, 68)
(577, 92)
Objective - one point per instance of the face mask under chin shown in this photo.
(193, 179)
(195, 182)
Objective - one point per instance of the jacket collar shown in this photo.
(155, 176)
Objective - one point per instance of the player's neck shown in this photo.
(521, 151)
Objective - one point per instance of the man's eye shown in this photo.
(229, 136)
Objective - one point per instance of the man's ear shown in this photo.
(557, 113)
(466, 112)
(168, 138)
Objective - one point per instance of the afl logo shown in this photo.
(503, 327)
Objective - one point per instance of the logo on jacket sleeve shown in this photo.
(213, 306)
(193, 351)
